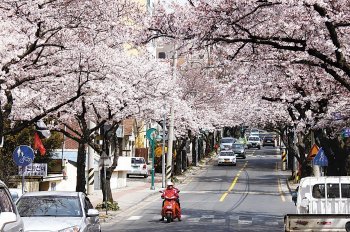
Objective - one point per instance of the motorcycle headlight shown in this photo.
(70, 229)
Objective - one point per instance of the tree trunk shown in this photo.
(194, 151)
(107, 191)
(184, 160)
(81, 163)
(180, 146)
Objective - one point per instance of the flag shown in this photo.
(41, 128)
(38, 145)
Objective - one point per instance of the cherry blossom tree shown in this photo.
(47, 53)
(133, 87)
(307, 40)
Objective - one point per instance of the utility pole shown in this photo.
(171, 126)
(163, 150)
(90, 165)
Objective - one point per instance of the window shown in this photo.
(345, 190)
(318, 191)
(227, 141)
(137, 161)
(161, 55)
(5, 202)
(49, 206)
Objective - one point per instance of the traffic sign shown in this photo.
(23, 155)
(321, 158)
(151, 134)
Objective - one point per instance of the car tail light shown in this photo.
(144, 166)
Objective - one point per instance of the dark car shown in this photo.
(239, 150)
(269, 141)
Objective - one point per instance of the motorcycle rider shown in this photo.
(170, 190)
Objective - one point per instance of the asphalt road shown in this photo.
(251, 196)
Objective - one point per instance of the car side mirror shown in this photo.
(93, 213)
(7, 217)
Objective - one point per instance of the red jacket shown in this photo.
(171, 192)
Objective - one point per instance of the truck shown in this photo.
(322, 204)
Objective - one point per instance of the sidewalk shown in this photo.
(138, 190)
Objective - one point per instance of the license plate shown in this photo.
(269, 141)
(227, 161)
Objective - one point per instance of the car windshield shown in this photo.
(49, 206)
(253, 138)
(137, 161)
(238, 146)
(268, 138)
(227, 141)
(227, 154)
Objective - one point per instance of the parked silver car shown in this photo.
(10, 220)
(65, 212)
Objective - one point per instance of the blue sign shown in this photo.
(23, 155)
(346, 133)
(321, 158)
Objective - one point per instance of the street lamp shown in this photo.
(105, 162)
(151, 135)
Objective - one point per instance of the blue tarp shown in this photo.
(321, 158)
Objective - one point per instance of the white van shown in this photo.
(323, 204)
(138, 167)
(324, 195)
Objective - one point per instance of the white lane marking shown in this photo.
(271, 223)
(134, 218)
(194, 220)
(219, 221)
(231, 217)
(245, 222)
(207, 216)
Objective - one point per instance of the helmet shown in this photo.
(169, 183)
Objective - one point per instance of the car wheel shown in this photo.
(145, 176)
(259, 147)
(244, 157)
(234, 164)
(127, 175)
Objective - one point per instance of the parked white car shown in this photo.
(58, 211)
(10, 220)
(138, 167)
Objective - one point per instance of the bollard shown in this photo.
(284, 159)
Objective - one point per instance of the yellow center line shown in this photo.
(233, 182)
(280, 186)
(280, 190)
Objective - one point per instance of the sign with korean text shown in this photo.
(34, 169)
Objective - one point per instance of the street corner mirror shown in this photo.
(93, 213)
(7, 217)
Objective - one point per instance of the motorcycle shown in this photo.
(171, 209)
